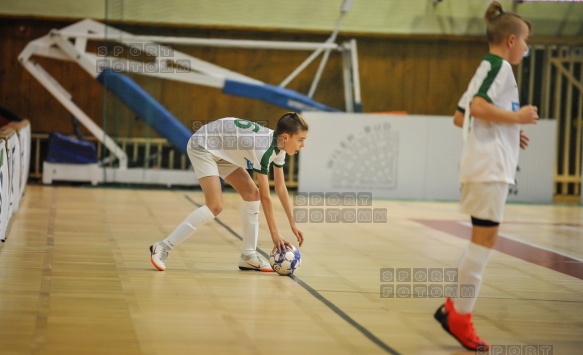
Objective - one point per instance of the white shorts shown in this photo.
(206, 164)
(484, 200)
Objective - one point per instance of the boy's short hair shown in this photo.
(290, 123)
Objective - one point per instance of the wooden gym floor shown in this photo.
(75, 278)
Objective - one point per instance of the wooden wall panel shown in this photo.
(420, 75)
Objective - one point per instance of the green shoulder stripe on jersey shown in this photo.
(265, 158)
(495, 65)
(461, 109)
(484, 96)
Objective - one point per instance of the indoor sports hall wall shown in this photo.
(416, 74)
(451, 17)
(410, 157)
(415, 56)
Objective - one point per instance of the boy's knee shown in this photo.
(250, 193)
(254, 194)
(216, 210)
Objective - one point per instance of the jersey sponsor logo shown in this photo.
(515, 106)
(249, 164)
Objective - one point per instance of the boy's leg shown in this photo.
(206, 168)
(473, 263)
(456, 318)
(485, 200)
(211, 186)
(213, 195)
(250, 221)
(244, 185)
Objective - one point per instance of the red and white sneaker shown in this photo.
(460, 326)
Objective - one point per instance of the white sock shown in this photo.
(195, 220)
(250, 217)
(470, 272)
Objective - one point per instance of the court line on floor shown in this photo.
(317, 295)
(41, 322)
(525, 251)
(518, 240)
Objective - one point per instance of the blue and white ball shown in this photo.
(285, 263)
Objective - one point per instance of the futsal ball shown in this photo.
(285, 263)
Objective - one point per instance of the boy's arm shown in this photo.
(523, 140)
(266, 202)
(282, 194)
(484, 110)
(458, 118)
(459, 114)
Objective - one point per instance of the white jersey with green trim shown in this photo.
(490, 151)
(241, 142)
